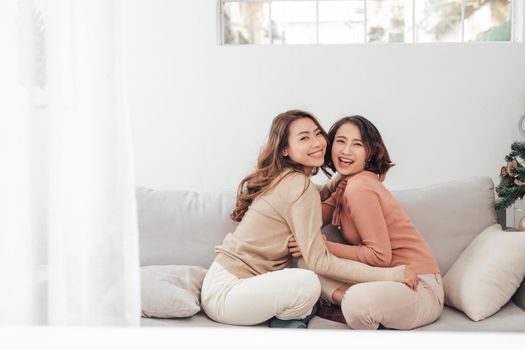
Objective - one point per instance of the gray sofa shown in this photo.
(182, 228)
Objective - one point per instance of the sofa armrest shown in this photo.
(519, 297)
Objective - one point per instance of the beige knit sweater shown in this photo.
(259, 244)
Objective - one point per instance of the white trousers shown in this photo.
(392, 304)
(287, 294)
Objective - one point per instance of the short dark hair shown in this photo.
(378, 158)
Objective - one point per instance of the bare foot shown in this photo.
(339, 293)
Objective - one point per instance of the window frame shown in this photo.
(517, 23)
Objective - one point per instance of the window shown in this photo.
(278, 22)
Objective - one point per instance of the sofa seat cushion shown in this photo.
(509, 318)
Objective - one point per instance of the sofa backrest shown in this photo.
(451, 215)
(448, 215)
(183, 227)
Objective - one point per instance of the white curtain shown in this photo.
(68, 226)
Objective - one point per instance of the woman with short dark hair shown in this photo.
(380, 233)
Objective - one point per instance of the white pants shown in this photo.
(392, 304)
(287, 294)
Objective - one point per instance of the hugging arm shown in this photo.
(304, 219)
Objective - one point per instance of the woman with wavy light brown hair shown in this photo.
(250, 280)
(380, 233)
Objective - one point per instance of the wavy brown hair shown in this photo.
(271, 162)
(378, 159)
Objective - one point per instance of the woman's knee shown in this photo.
(308, 282)
(357, 308)
(355, 300)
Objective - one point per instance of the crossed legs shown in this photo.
(286, 294)
(392, 304)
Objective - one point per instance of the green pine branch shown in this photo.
(505, 203)
(508, 192)
(520, 172)
(518, 147)
(508, 195)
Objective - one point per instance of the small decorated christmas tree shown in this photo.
(512, 183)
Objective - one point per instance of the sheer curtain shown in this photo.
(68, 226)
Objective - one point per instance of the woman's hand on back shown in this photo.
(293, 247)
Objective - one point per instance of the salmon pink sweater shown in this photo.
(379, 231)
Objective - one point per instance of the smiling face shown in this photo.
(349, 154)
(306, 144)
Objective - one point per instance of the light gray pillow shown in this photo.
(171, 290)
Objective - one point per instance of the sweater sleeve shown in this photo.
(365, 211)
(326, 189)
(304, 219)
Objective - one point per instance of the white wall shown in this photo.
(201, 111)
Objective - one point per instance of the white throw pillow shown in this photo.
(171, 290)
(487, 273)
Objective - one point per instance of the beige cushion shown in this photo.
(487, 273)
(170, 290)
